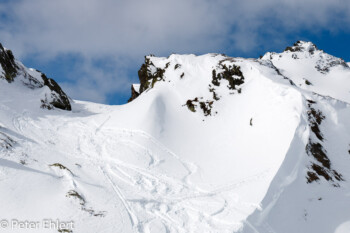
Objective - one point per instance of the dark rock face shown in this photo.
(324, 67)
(61, 101)
(147, 78)
(134, 94)
(315, 119)
(321, 165)
(56, 99)
(206, 106)
(8, 64)
(228, 74)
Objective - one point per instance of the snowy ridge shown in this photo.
(207, 144)
(313, 69)
(36, 83)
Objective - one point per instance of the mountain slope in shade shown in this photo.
(207, 144)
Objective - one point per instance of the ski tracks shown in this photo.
(133, 218)
(156, 199)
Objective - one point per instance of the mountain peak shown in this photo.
(302, 46)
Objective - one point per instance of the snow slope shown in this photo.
(196, 150)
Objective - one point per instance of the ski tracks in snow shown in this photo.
(153, 184)
(133, 218)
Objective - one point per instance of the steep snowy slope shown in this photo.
(310, 193)
(319, 152)
(207, 144)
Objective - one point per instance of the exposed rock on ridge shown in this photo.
(33, 79)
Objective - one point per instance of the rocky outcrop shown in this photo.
(321, 165)
(8, 64)
(11, 70)
(134, 92)
(324, 64)
(148, 76)
(59, 99)
(232, 74)
(302, 46)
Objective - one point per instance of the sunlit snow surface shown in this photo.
(154, 166)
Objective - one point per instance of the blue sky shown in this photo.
(94, 48)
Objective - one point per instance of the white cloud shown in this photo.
(91, 82)
(123, 28)
(130, 29)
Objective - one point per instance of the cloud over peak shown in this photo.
(96, 29)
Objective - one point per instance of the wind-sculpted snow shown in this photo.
(167, 163)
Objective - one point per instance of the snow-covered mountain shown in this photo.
(206, 144)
